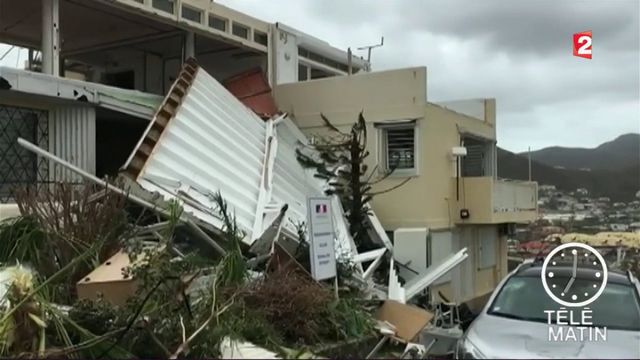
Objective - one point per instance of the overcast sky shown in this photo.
(518, 51)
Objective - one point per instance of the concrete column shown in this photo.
(189, 45)
(51, 37)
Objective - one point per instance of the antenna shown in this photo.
(368, 48)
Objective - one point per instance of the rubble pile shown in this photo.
(200, 248)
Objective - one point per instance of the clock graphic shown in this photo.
(560, 274)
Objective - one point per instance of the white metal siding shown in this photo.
(488, 247)
(213, 143)
(72, 136)
(441, 248)
(292, 184)
(411, 249)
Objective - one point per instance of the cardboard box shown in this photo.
(407, 319)
(108, 280)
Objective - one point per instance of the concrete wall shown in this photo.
(384, 95)
(468, 280)
(426, 200)
(429, 198)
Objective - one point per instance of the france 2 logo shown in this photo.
(582, 44)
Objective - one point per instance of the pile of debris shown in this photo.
(200, 249)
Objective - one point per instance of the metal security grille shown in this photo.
(17, 165)
(473, 164)
(400, 147)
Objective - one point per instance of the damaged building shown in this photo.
(103, 78)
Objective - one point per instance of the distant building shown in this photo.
(582, 192)
(618, 227)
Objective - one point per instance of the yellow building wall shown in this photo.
(428, 199)
(425, 201)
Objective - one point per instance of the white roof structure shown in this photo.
(203, 140)
(131, 102)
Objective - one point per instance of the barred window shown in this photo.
(240, 30)
(18, 166)
(191, 14)
(218, 23)
(400, 147)
(164, 5)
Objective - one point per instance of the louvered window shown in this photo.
(400, 151)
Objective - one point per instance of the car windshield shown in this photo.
(524, 298)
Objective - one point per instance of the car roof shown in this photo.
(534, 269)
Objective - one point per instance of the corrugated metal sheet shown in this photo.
(203, 140)
(291, 183)
(72, 136)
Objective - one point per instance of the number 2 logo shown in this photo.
(582, 44)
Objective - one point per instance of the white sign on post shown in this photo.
(322, 250)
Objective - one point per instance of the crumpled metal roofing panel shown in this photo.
(292, 184)
(202, 140)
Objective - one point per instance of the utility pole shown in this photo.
(529, 156)
(368, 48)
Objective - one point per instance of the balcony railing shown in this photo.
(492, 201)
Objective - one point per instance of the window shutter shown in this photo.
(401, 148)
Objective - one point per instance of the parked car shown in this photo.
(513, 324)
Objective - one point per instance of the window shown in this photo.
(260, 37)
(240, 30)
(302, 73)
(218, 23)
(523, 298)
(399, 147)
(319, 74)
(18, 166)
(164, 5)
(322, 59)
(479, 158)
(191, 14)
(488, 239)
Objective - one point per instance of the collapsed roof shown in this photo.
(203, 140)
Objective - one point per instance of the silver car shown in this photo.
(514, 325)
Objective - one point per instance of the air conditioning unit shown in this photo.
(458, 151)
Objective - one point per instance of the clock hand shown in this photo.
(566, 289)
(575, 265)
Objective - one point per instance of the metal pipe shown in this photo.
(31, 147)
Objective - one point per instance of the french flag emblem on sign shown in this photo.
(321, 208)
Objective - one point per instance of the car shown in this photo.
(514, 325)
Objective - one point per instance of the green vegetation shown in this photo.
(184, 306)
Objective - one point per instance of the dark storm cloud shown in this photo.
(515, 26)
(531, 27)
